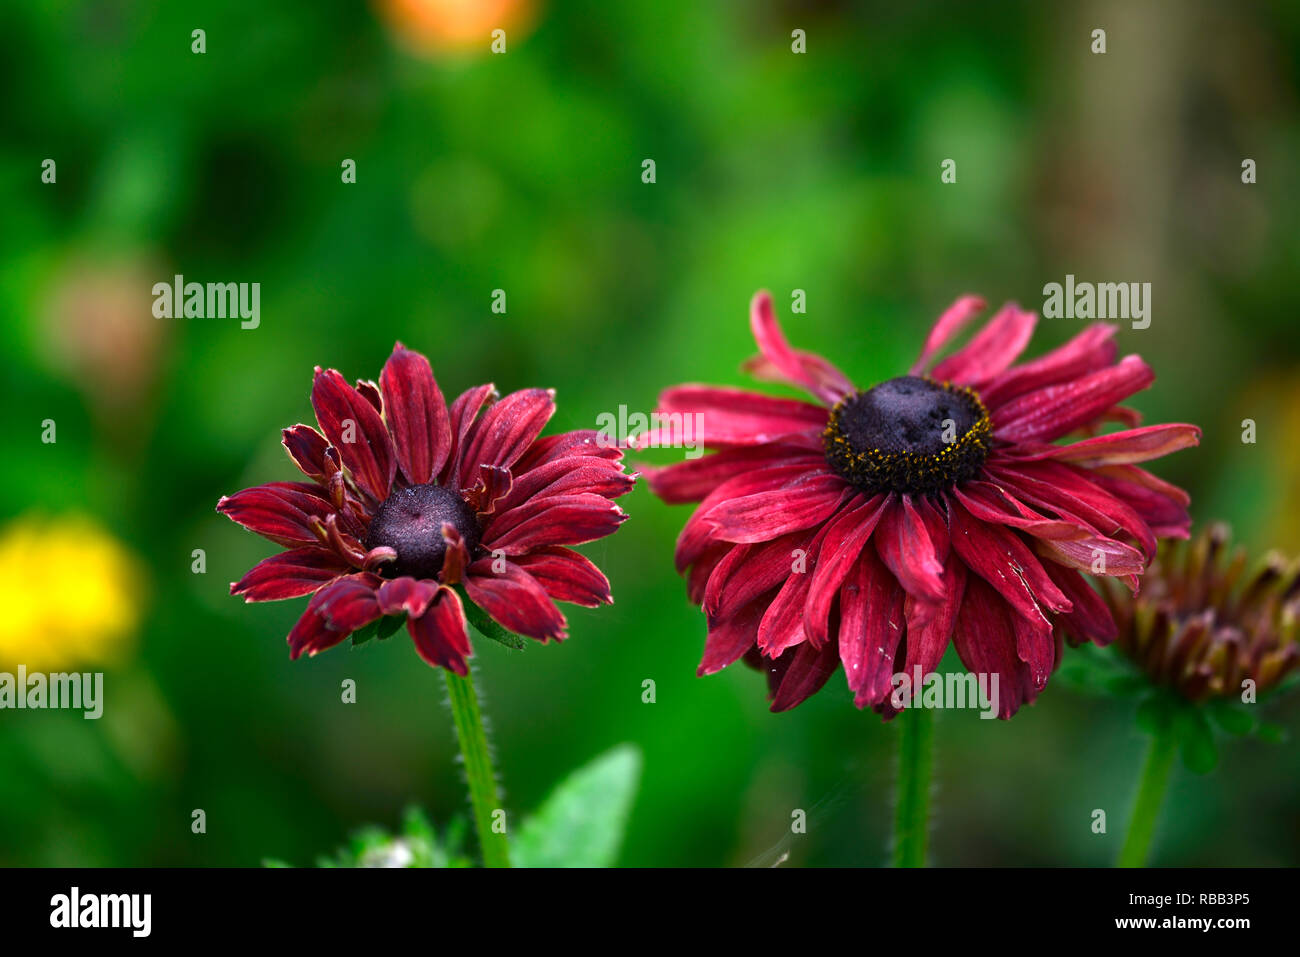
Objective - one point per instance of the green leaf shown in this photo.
(581, 824)
(485, 626)
(362, 635)
(1231, 718)
(1153, 714)
(381, 629)
(1272, 733)
(1196, 741)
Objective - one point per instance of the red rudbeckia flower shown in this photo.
(408, 498)
(870, 528)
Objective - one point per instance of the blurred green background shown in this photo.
(522, 172)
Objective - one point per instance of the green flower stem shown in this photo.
(1150, 798)
(912, 811)
(483, 795)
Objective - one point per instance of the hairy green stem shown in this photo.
(483, 796)
(912, 810)
(1150, 798)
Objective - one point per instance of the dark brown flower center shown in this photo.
(410, 522)
(909, 434)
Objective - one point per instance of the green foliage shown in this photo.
(1105, 673)
(580, 824)
(485, 626)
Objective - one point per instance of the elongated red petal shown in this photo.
(809, 669)
(1090, 350)
(985, 639)
(904, 544)
(334, 612)
(946, 327)
(1056, 410)
(568, 476)
(693, 479)
(355, 428)
(1129, 446)
(730, 638)
(515, 600)
(999, 557)
(280, 511)
(871, 626)
(1090, 618)
(819, 377)
(724, 411)
(406, 596)
(992, 349)
(558, 520)
(417, 415)
(306, 447)
(567, 575)
(930, 628)
(291, 574)
(505, 431)
(462, 416)
(846, 536)
(760, 517)
(439, 634)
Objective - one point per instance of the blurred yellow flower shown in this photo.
(428, 26)
(71, 593)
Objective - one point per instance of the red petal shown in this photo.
(306, 447)
(1051, 412)
(729, 639)
(992, 349)
(809, 669)
(693, 479)
(748, 571)
(505, 431)
(929, 629)
(1090, 618)
(953, 320)
(406, 596)
(985, 642)
(813, 373)
(993, 504)
(515, 600)
(586, 442)
(871, 625)
(845, 538)
(1005, 562)
(1073, 495)
(290, 574)
(558, 520)
(567, 576)
(1129, 446)
(369, 456)
(280, 511)
(567, 476)
(735, 411)
(462, 416)
(488, 489)
(439, 634)
(1090, 350)
(904, 544)
(417, 415)
(334, 612)
(799, 504)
